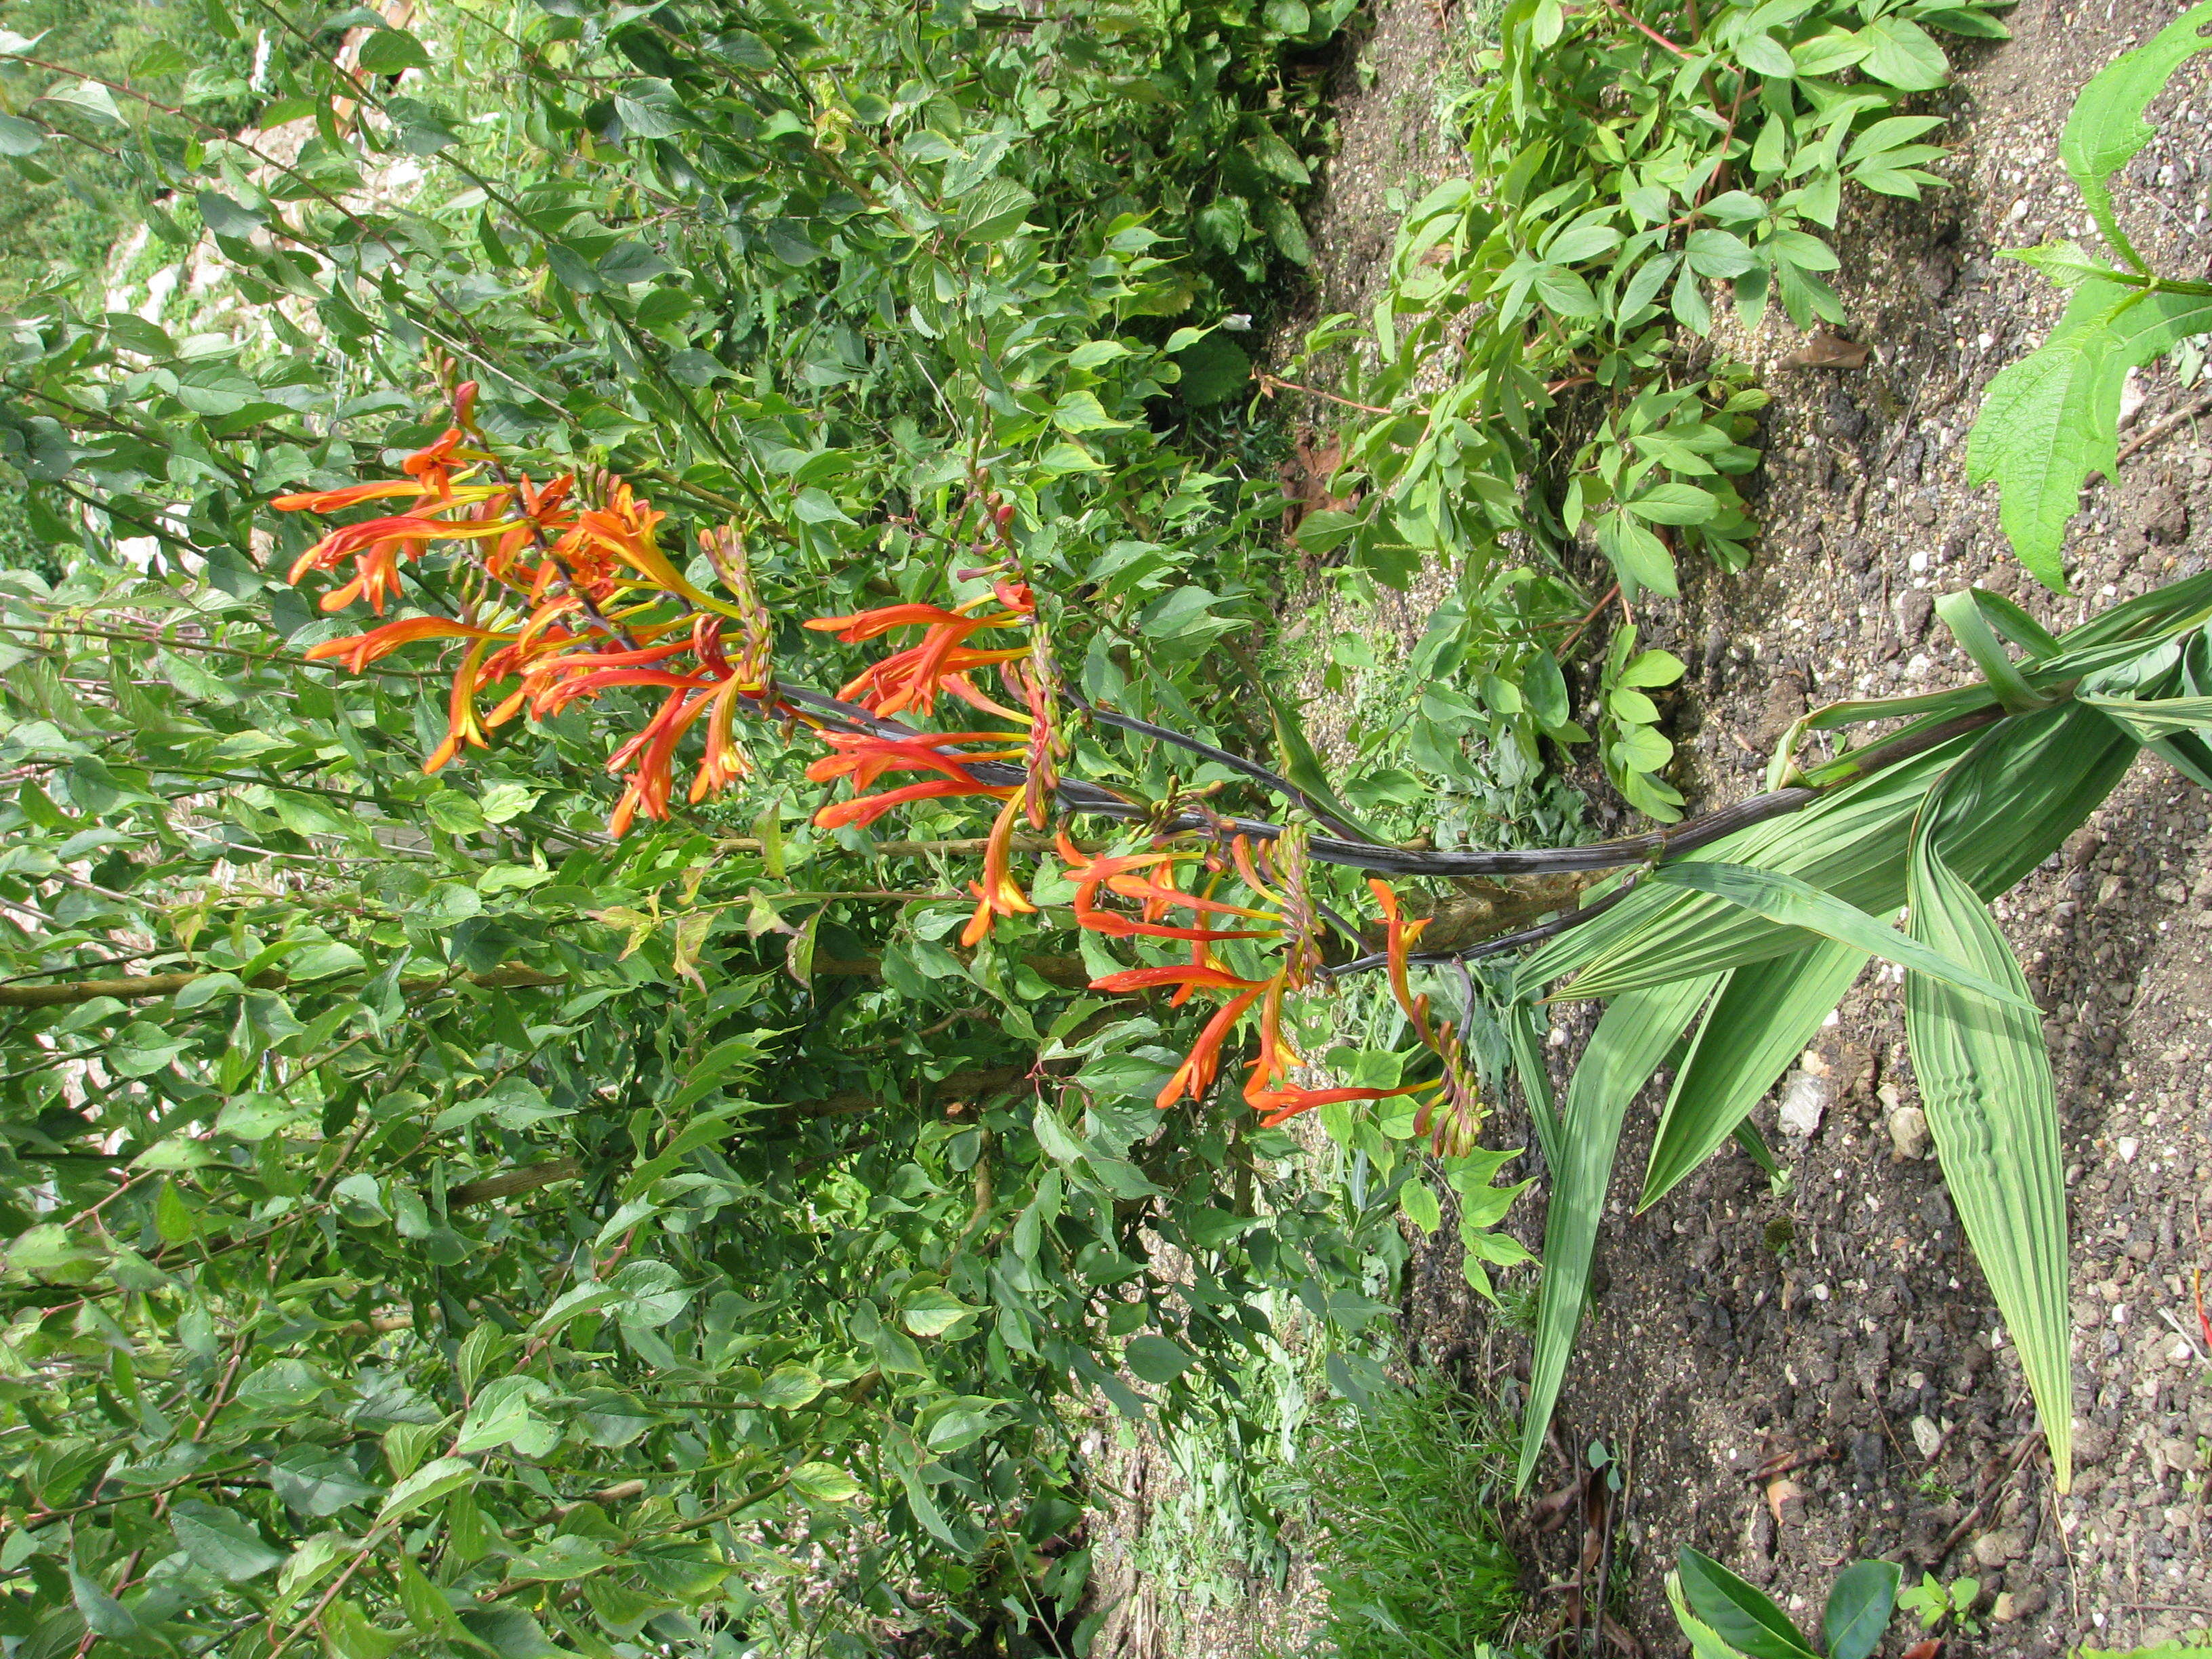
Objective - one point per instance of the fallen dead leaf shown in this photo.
(1826, 350)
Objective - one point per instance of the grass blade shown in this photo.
(1629, 1043)
(1986, 1083)
(1761, 1020)
(1795, 903)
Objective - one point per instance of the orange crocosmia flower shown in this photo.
(357, 651)
(335, 500)
(997, 894)
(1278, 1105)
(462, 725)
(1203, 1064)
(868, 624)
(864, 810)
(864, 757)
(1189, 977)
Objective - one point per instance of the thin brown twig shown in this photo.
(1271, 384)
(2165, 423)
(1642, 27)
(1588, 616)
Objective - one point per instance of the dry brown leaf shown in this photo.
(1826, 349)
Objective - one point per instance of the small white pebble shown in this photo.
(2127, 1147)
(1918, 561)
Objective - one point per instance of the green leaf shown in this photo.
(222, 1543)
(1740, 1614)
(1962, 612)
(390, 51)
(1986, 1083)
(1158, 1359)
(425, 1487)
(1675, 504)
(1704, 1641)
(1629, 1043)
(1719, 253)
(2106, 128)
(2051, 419)
(1761, 1021)
(1904, 55)
(1793, 903)
(1215, 370)
(2152, 718)
(1859, 1605)
(1301, 764)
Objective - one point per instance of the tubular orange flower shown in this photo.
(462, 726)
(867, 809)
(335, 501)
(997, 894)
(1203, 1063)
(357, 651)
(1188, 978)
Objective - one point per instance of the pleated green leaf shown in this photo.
(1524, 1033)
(1794, 903)
(1986, 1083)
(2153, 718)
(2016, 792)
(1761, 1020)
(1624, 1051)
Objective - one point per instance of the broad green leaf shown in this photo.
(1793, 903)
(2020, 791)
(222, 1543)
(1704, 1641)
(1904, 55)
(2050, 420)
(1984, 1080)
(1762, 1020)
(2106, 128)
(1859, 1605)
(1158, 1360)
(2153, 718)
(1631, 1040)
(426, 1485)
(1740, 1615)
(1962, 612)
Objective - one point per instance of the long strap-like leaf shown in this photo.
(1793, 903)
(1629, 1042)
(1762, 1019)
(1986, 1083)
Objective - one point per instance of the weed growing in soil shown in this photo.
(2052, 419)
(1726, 1617)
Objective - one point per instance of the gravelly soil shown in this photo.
(1730, 1324)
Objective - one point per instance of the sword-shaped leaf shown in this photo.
(2152, 718)
(1761, 1020)
(2020, 790)
(1986, 1083)
(1795, 903)
(1624, 1051)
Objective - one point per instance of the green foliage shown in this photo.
(1628, 725)
(469, 1232)
(1617, 175)
(1725, 1618)
(1406, 1495)
(2052, 419)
